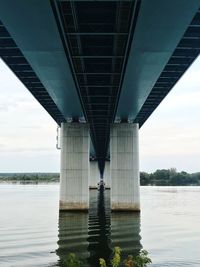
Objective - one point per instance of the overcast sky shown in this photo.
(170, 137)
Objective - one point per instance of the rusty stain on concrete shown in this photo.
(73, 206)
(125, 207)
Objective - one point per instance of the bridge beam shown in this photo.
(124, 167)
(74, 173)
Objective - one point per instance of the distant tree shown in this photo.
(161, 175)
(144, 178)
(181, 178)
(172, 172)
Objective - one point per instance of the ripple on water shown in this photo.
(168, 227)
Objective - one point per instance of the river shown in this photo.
(33, 233)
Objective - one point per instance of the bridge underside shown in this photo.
(99, 61)
(97, 38)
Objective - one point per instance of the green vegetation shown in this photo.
(115, 262)
(71, 261)
(169, 177)
(29, 177)
(141, 260)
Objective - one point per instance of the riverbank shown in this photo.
(170, 177)
(163, 177)
(29, 178)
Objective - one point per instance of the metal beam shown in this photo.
(97, 33)
(95, 56)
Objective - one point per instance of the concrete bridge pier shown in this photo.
(106, 175)
(94, 175)
(124, 165)
(74, 173)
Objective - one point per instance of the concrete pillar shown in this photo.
(124, 150)
(74, 174)
(106, 175)
(94, 175)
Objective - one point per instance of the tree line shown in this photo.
(169, 177)
(30, 177)
(166, 177)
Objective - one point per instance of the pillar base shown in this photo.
(72, 206)
(93, 187)
(125, 207)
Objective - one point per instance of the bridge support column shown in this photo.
(124, 148)
(106, 175)
(74, 174)
(94, 175)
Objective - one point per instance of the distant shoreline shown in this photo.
(163, 177)
(27, 182)
(29, 178)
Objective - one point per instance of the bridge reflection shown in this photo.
(72, 236)
(99, 227)
(125, 232)
(92, 236)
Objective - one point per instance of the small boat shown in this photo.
(101, 185)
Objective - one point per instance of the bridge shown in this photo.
(99, 68)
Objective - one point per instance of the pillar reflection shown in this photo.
(99, 227)
(72, 236)
(125, 232)
(93, 235)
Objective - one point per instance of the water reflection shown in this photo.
(72, 235)
(125, 232)
(89, 235)
(28, 226)
(99, 227)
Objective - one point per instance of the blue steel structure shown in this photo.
(99, 61)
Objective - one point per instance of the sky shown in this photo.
(169, 138)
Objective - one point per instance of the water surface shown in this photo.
(33, 233)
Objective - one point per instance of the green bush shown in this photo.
(71, 261)
(117, 257)
(141, 260)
